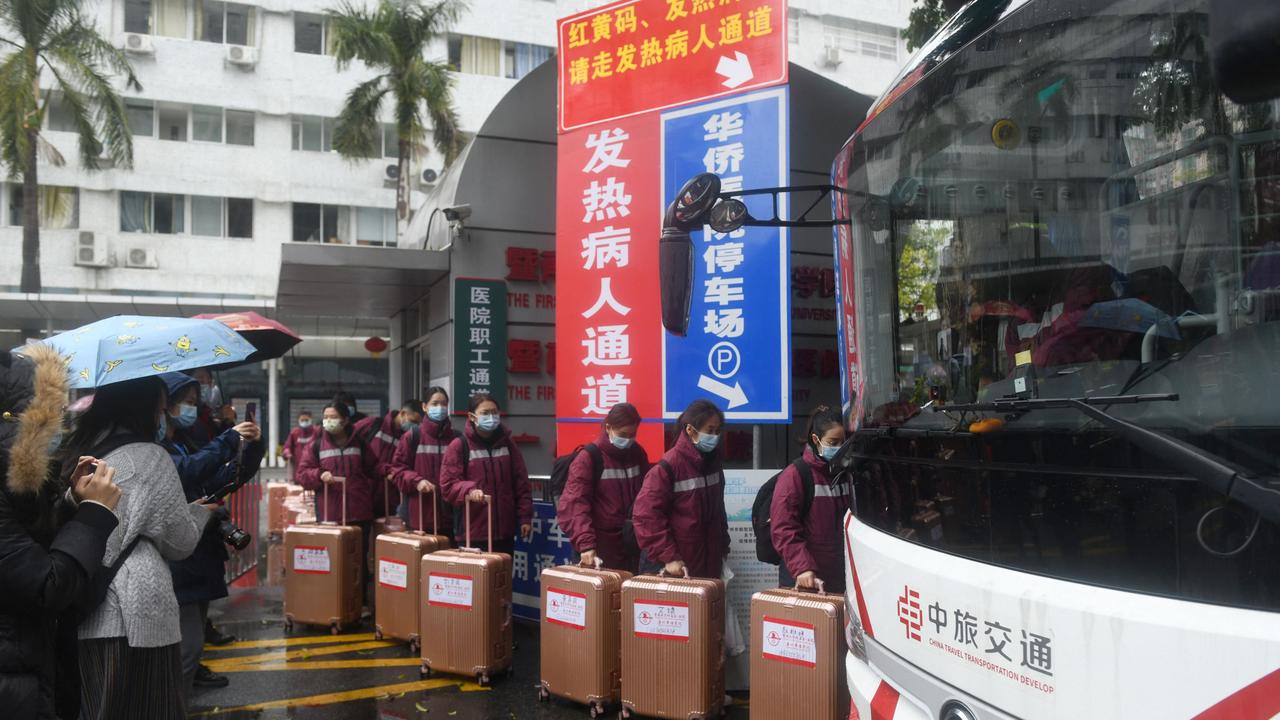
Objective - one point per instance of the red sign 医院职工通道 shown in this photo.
(637, 56)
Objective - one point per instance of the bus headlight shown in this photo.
(853, 636)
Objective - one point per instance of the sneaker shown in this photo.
(206, 678)
(217, 638)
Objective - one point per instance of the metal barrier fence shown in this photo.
(245, 507)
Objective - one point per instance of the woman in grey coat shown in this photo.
(130, 664)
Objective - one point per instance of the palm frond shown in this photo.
(18, 109)
(358, 133)
(108, 130)
(78, 107)
(446, 134)
(360, 34)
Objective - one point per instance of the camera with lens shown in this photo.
(230, 533)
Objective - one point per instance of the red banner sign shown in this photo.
(635, 56)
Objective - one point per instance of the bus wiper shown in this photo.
(1261, 494)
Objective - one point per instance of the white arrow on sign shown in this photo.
(736, 71)
(734, 394)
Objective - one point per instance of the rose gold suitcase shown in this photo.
(398, 562)
(581, 635)
(797, 655)
(276, 493)
(324, 573)
(466, 609)
(275, 564)
(388, 523)
(672, 647)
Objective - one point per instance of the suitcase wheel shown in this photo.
(334, 628)
(415, 647)
(483, 679)
(425, 672)
(377, 633)
(543, 695)
(624, 713)
(596, 710)
(288, 627)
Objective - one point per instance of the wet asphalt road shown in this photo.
(313, 675)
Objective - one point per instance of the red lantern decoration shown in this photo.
(375, 345)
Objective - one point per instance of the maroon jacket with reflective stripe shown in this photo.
(412, 463)
(382, 443)
(497, 468)
(683, 517)
(592, 512)
(814, 541)
(353, 461)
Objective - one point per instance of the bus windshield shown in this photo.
(1066, 207)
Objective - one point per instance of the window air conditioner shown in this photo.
(91, 251)
(242, 55)
(142, 259)
(391, 173)
(831, 56)
(138, 44)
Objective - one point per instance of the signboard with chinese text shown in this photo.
(548, 547)
(741, 280)
(479, 340)
(635, 56)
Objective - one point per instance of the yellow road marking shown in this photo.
(347, 696)
(304, 654)
(318, 665)
(286, 642)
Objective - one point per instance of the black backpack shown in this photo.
(760, 509)
(560, 471)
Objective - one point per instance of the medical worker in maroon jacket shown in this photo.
(810, 543)
(340, 460)
(595, 510)
(418, 459)
(679, 515)
(494, 467)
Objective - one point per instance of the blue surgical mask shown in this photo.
(826, 452)
(161, 428)
(351, 411)
(304, 424)
(406, 426)
(186, 416)
(707, 442)
(488, 423)
(437, 413)
(621, 443)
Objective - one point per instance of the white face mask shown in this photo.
(304, 424)
(332, 425)
(622, 443)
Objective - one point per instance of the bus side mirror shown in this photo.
(1242, 35)
(686, 213)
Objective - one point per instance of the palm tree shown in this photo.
(52, 41)
(393, 38)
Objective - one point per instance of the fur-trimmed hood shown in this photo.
(33, 393)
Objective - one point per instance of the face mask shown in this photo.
(332, 425)
(304, 424)
(707, 442)
(437, 413)
(407, 426)
(186, 416)
(621, 443)
(351, 410)
(161, 428)
(826, 452)
(488, 422)
(55, 442)
(211, 396)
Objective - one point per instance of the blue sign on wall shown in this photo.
(547, 548)
(738, 348)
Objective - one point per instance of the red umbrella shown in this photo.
(272, 339)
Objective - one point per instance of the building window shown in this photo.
(151, 213)
(310, 34)
(173, 122)
(375, 226)
(206, 123)
(156, 17)
(141, 115)
(869, 39)
(239, 127)
(793, 30)
(475, 55)
(223, 22)
(320, 223)
(522, 58)
(58, 116)
(390, 141)
(221, 217)
(59, 207)
(313, 133)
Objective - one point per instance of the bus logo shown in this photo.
(909, 613)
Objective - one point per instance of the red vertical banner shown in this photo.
(607, 315)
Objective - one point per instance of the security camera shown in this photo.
(457, 213)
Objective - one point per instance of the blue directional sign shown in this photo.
(738, 348)
(549, 547)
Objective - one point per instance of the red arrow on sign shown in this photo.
(634, 56)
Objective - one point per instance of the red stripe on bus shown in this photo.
(885, 703)
(857, 586)
(1259, 699)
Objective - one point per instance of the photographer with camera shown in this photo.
(209, 471)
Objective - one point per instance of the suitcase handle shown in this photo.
(663, 572)
(822, 588)
(336, 479)
(386, 497)
(598, 564)
(435, 511)
(488, 501)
